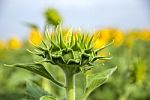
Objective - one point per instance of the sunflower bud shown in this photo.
(72, 54)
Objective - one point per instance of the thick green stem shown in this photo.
(84, 97)
(70, 87)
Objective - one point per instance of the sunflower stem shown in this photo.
(70, 86)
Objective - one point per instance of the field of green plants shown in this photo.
(118, 70)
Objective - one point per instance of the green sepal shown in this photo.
(85, 41)
(47, 47)
(99, 49)
(67, 55)
(36, 53)
(61, 39)
(82, 41)
(90, 42)
(72, 40)
(46, 33)
(85, 58)
(40, 48)
(89, 50)
(76, 47)
(72, 61)
(54, 47)
(100, 58)
(58, 60)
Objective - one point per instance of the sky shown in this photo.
(86, 14)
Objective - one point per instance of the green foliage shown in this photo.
(47, 98)
(132, 75)
(34, 92)
(73, 54)
(95, 80)
(123, 84)
(38, 69)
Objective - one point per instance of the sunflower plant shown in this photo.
(73, 54)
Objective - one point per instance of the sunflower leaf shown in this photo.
(34, 92)
(38, 69)
(93, 81)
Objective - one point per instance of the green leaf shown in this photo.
(93, 81)
(38, 69)
(34, 92)
(47, 98)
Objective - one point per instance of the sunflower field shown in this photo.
(121, 64)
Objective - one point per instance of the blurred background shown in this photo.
(89, 15)
(127, 22)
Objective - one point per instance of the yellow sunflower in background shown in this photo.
(145, 35)
(102, 37)
(14, 43)
(35, 36)
(2, 44)
(118, 37)
(131, 36)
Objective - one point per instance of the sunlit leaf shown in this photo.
(38, 69)
(93, 81)
(34, 92)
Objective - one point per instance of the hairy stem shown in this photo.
(70, 87)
